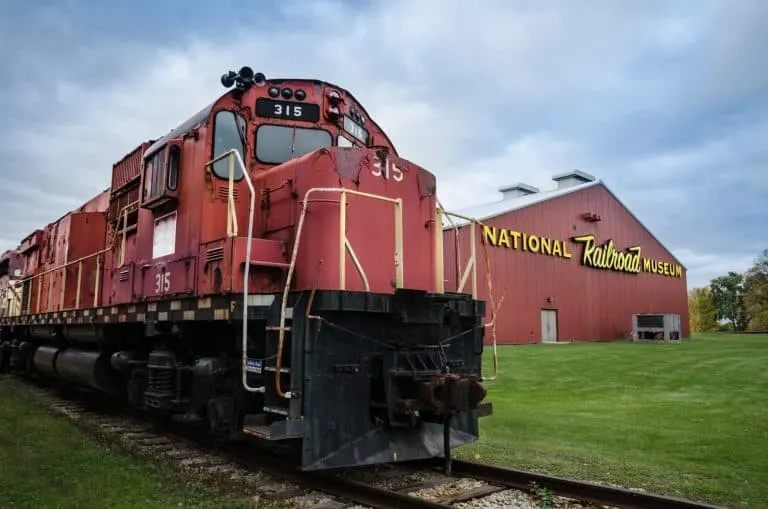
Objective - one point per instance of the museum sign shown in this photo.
(597, 256)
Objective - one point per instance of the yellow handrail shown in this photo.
(439, 254)
(231, 210)
(123, 214)
(344, 245)
(79, 262)
(63, 267)
(471, 264)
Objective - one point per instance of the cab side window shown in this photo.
(154, 175)
(174, 155)
(228, 134)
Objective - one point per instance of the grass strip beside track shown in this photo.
(47, 462)
(686, 420)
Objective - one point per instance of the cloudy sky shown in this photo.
(665, 101)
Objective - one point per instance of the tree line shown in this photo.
(734, 301)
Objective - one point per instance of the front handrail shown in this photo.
(344, 245)
(471, 264)
(234, 156)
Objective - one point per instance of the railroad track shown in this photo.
(267, 475)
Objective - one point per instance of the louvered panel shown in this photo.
(215, 254)
(128, 168)
(222, 193)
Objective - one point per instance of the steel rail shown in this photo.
(580, 490)
(364, 494)
(260, 457)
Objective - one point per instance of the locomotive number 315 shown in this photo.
(287, 110)
(388, 169)
(163, 282)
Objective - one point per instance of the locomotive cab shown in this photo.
(288, 118)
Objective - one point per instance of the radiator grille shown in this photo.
(222, 193)
(214, 254)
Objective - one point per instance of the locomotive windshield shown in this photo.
(228, 134)
(277, 144)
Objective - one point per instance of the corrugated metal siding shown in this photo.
(591, 304)
(128, 168)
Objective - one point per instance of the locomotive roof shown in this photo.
(198, 118)
(202, 116)
(278, 81)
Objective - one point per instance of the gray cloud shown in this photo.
(665, 105)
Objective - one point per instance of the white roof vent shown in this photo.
(572, 178)
(517, 190)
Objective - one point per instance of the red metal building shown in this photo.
(572, 264)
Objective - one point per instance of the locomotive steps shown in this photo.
(262, 477)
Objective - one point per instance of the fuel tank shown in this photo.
(45, 359)
(81, 367)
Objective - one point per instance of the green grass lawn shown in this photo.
(47, 462)
(687, 420)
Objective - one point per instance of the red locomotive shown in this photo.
(271, 265)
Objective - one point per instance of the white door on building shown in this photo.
(548, 326)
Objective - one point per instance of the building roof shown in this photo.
(503, 206)
(497, 208)
(584, 177)
(519, 186)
